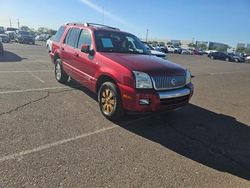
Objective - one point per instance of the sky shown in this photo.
(226, 21)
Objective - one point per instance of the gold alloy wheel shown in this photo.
(108, 101)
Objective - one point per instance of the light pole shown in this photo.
(10, 23)
(102, 15)
(147, 35)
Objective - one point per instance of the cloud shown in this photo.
(105, 12)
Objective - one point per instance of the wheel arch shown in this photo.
(104, 78)
(56, 56)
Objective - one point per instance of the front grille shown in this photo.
(168, 82)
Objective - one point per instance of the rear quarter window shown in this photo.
(59, 34)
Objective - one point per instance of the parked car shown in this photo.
(209, 51)
(11, 35)
(116, 66)
(25, 37)
(171, 48)
(155, 52)
(187, 52)
(49, 43)
(247, 59)
(225, 56)
(237, 57)
(198, 52)
(1, 47)
(245, 56)
(164, 49)
(5, 38)
(42, 37)
(177, 49)
(38, 38)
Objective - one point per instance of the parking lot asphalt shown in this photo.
(53, 135)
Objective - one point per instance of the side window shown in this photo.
(59, 34)
(72, 37)
(67, 37)
(85, 38)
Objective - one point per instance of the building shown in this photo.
(217, 46)
(185, 43)
(248, 46)
(176, 42)
(201, 42)
(240, 45)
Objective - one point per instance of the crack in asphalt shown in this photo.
(34, 101)
(25, 104)
(211, 149)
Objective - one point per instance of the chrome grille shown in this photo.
(168, 82)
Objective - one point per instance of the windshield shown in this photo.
(118, 42)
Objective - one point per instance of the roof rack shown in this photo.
(72, 23)
(100, 25)
(93, 25)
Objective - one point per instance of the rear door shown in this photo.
(68, 52)
(56, 41)
(220, 55)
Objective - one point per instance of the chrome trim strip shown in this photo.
(174, 93)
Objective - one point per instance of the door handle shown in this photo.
(76, 54)
(62, 48)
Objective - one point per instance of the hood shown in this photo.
(146, 63)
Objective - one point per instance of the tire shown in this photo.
(60, 75)
(227, 59)
(110, 101)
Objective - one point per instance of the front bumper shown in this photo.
(158, 101)
(174, 93)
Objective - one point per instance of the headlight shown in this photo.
(188, 76)
(142, 80)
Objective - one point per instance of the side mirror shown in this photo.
(85, 48)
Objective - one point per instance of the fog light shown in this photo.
(144, 101)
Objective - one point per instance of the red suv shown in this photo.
(118, 67)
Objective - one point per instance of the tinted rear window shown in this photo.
(59, 34)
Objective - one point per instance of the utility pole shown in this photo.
(18, 23)
(102, 15)
(10, 23)
(147, 35)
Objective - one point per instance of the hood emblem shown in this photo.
(173, 82)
